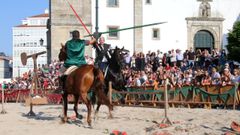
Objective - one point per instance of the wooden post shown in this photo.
(18, 95)
(166, 119)
(235, 96)
(31, 113)
(3, 110)
(110, 92)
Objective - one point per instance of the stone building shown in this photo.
(30, 37)
(201, 24)
(63, 22)
(5, 67)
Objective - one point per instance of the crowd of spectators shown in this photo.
(199, 67)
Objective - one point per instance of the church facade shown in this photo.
(200, 24)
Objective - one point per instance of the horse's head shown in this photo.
(116, 65)
(118, 57)
(62, 56)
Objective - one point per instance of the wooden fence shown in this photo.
(190, 96)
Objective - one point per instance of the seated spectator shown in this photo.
(137, 81)
(206, 80)
(167, 67)
(226, 77)
(150, 80)
(236, 76)
(215, 76)
(183, 66)
(187, 78)
(45, 83)
(143, 77)
(198, 75)
(179, 80)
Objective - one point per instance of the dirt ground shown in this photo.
(132, 120)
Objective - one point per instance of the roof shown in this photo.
(41, 15)
(25, 25)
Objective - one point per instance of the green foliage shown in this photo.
(234, 43)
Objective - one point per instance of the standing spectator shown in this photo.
(215, 57)
(222, 57)
(185, 56)
(179, 57)
(191, 57)
(133, 61)
(173, 57)
(208, 58)
(160, 56)
(169, 57)
(138, 62)
(155, 63)
(164, 60)
(142, 61)
(198, 59)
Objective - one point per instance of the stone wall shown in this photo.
(138, 20)
(63, 21)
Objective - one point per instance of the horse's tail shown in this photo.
(98, 83)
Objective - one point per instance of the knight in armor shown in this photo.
(75, 49)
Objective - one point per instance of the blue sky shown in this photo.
(11, 14)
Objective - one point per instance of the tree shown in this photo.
(233, 46)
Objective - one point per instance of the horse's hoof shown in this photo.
(79, 116)
(64, 120)
(110, 117)
(95, 118)
(88, 126)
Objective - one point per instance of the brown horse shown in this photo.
(79, 83)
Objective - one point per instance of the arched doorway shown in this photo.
(203, 39)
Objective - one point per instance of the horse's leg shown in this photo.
(89, 107)
(76, 97)
(97, 109)
(65, 106)
(103, 99)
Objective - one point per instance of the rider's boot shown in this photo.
(62, 80)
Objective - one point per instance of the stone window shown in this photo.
(112, 3)
(156, 33)
(113, 35)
